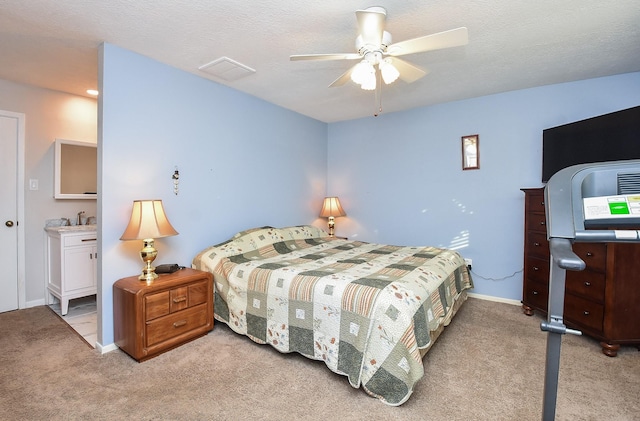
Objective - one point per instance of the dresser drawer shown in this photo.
(586, 283)
(534, 201)
(537, 269)
(175, 324)
(593, 254)
(536, 295)
(537, 222)
(583, 312)
(538, 244)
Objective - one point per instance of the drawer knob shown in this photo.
(542, 222)
(589, 254)
(179, 299)
(536, 268)
(180, 323)
(586, 313)
(536, 244)
(587, 284)
(542, 203)
(535, 292)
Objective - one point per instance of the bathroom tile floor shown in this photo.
(82, 316)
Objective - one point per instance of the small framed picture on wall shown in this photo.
(471, 152)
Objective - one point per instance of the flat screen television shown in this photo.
(609, 137)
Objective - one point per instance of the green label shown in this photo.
(619, 208)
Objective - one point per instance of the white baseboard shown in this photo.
(34, 303)
(496, 299)
(103, 349)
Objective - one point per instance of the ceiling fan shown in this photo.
(374, 48)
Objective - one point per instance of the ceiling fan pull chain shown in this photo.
(378, 97)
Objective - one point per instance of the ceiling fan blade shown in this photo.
(344, 78)
(408, 72)
(343, 56)
(446, 39)
(371, 24)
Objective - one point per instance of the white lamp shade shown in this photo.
(331, 207)
(148, 220)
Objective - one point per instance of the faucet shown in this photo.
(79, 221)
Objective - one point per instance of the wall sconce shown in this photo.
(176, 179)
(330, 209)
(148, 221)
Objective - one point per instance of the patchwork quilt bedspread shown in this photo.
(364, 309)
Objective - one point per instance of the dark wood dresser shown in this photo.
(603, 301)
(153, 318)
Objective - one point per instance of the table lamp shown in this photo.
(148, 221)
(330, 209)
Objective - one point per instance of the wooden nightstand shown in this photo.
(174, 309)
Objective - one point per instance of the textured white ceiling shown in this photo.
(512, 45)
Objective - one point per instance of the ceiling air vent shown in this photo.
(629, 183)
(227, 69)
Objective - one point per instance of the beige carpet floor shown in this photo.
(487, 365)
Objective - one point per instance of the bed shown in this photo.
(369, 311)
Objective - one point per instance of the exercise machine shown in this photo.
(598, 203)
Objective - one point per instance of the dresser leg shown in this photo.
(527, 310)
(609, 350)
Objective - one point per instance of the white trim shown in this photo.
(34, 303)
(22, 293)
(107, 348)
(495, 299)
(20, 215)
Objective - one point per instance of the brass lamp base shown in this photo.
(332, 224)
(148, 255)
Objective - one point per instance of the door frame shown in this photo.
(20, 215)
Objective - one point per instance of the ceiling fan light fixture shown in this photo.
(389, 71)
(369, 83)
(363, 72)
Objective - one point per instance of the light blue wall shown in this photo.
(243, 162)
(400, 180)
(398, 175)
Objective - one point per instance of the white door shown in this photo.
(11, 196)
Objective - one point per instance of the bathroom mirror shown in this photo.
(76, 169)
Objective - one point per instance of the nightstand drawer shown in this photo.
(156, 305)
(176, 324)
(177, 299)
(198, 293)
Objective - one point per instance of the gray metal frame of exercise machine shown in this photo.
(565, 225)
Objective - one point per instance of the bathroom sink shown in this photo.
(72, 228)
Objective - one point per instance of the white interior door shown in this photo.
(11, 197)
